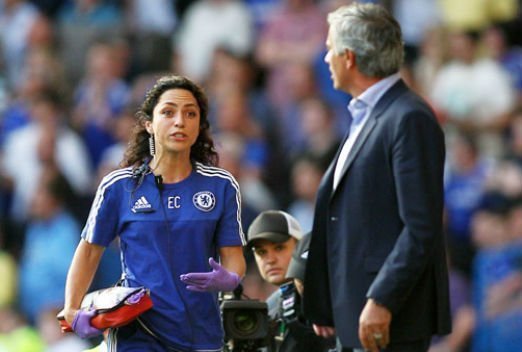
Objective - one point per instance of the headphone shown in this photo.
(141, 170)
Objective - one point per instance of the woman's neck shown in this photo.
(171, 169)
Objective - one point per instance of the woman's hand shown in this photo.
(69, 314)
(81, 323)
(219, 279)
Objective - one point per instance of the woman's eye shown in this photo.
(191, 114)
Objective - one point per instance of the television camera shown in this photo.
(246, 323)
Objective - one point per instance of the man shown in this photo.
(297, 265)
(273, 237)
(301, 337)
(377, 259)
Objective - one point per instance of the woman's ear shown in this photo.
(148, 127)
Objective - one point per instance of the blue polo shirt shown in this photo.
(165, 232)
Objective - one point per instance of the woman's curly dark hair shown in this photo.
(203, 149)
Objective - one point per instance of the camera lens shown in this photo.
(245, 322)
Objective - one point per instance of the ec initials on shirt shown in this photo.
(174, 202)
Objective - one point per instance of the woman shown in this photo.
(173, 212)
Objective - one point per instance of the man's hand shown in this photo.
(219, 279)
(374, 326)
(324, 331)
(81, 324)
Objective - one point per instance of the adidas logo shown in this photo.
(142, 205)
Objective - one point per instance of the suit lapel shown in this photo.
(327, 180)
(325, 187)
(359, 142)
(370, 124)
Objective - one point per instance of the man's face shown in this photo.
(336, 63)
(273, 258)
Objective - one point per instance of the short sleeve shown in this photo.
(230, 231)
(102, 224)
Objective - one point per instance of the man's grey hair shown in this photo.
(372, 33)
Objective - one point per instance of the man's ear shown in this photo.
(350, 58)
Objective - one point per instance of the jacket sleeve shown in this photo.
(317, 305)
(418, 160)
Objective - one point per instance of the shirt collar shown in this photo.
(373, 93)
(356, 106)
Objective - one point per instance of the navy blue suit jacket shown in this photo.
(379, 234)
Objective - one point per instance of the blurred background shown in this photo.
(72, 73)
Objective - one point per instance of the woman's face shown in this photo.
(175, 122)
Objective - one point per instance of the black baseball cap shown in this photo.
(297, 266)
(274, 226)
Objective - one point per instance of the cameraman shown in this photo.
(273, 237)
(300, 336)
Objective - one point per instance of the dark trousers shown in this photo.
(406, 346)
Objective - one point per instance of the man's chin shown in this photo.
(276, 280)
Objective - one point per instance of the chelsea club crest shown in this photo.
(204, 201)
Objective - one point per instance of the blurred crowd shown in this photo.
(72, 73)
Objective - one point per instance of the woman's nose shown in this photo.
(178, 120)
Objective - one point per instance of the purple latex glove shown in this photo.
(219, 279)
(82, 324)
